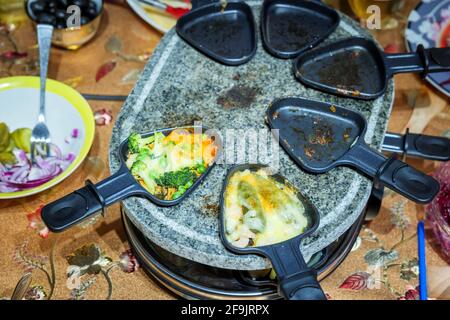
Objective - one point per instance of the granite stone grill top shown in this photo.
(179, 86)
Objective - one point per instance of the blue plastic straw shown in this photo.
(422, 261)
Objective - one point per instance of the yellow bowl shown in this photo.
(72, 38)
(66, 110)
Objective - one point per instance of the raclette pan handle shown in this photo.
(85, 202)
(423, 61)
(296, 280)
(427, 147)
(407, 181)
(392, 173)
(418, 146)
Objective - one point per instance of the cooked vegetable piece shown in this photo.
(131, 159)
(172, 163)
(201, 168)
(142, 171)
(176, 179)
(136, 142)
(255, 222)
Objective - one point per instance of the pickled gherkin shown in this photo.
(4, 136)
(21, 138)
(7, 158)
(10, 146)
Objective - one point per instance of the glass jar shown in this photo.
(388, 10)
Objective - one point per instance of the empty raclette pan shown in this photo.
(357, 68)
(290, 27)
(224, 33)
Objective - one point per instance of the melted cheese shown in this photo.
(261, 211)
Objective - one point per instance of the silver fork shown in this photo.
(40, 136)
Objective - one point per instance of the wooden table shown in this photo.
(23, 248)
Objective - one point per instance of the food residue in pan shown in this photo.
(218, 34)
(260, 211)
(348, 72)
(167, 166)
(223, 5)
(347, 92)
(291, 29)
(323, 135)
(347, 134)
(309, 152)
(355, 54)
(275, 115)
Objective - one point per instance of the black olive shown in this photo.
(91, 13)
(84, 20)
(81, 3)
(51, 5)
(37, 7)
(60, 14)
(61, 24)
(46, 18)
(63, 4)
(92, 5)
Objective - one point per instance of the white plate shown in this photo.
(158, 20)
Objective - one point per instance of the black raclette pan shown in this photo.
(290, 27)
(225, 34)
(83, 203)
(296, 281)
(321, 136)
(358, 69)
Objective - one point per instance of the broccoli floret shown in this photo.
(136, 143)
(176, 179)
(144, 155)
(144, 152)
(140, 169)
